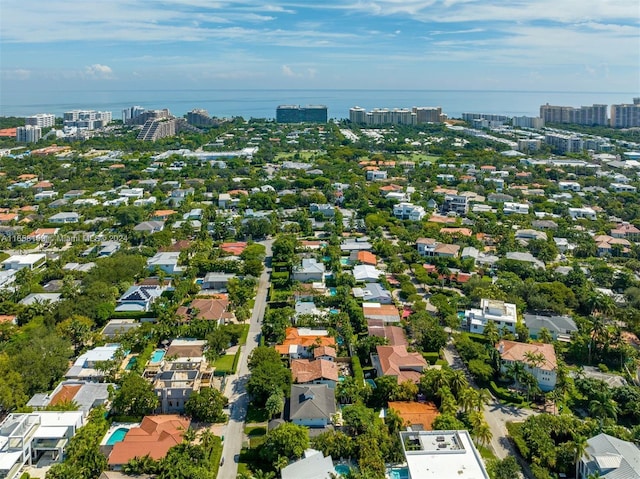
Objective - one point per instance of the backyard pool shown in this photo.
(117, 436)
(399, 473)
(345, 261)
(334, 311)
(342, 469)
(157, 355)
(131, 363)
(333, 291)
(199, 280)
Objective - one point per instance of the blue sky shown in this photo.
(566, 45)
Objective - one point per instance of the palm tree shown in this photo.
(482, 434)
(458, 381)
(260, 474)
(483, 397)
(515, 370)
(603, 407)
(467, 399)
(545, 336)
(580, 445)
(491, 333)
(534, 360)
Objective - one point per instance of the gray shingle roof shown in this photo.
(612, 457)
(311, 401)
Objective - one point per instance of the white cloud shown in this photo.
(98, 71)
(17, 74)
(288, 72)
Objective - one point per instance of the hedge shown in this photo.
(358, 373)
(505, 395)
(431, 358)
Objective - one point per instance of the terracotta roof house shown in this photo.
(298, 341)
(365, 257)
(8, 217)
(323, 352)
(235, 249)
(386, 312)
(626, 230)
(416, 413)
(318, 371)
(397, 361)
(394, 334)
(456, 231)
(545, 371)
(162, 215)
(210, 309)
(155, 436)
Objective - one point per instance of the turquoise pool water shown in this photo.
(371, 383)
(131, 363)
(199, 281)
(399, 473)
(334, 311)
(342, 469)
(326, 259)
(117, 436)
(157, 355)
(333, 291)
(345, 261)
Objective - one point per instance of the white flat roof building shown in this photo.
(442, 455)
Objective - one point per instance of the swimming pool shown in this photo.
(333, 291)
(117, 436)
(342, 469)
(131, 363)
(334, 311)
(157, 355)
(199, 281)
(399, 473)
(345, 261)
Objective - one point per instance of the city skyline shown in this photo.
(466, 44)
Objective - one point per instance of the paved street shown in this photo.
(496, 414)
(235, 388)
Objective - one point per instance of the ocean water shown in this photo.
(263, 103)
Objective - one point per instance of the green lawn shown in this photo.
(224, 364)
(255, 414)
(245, 333)
(254, 431)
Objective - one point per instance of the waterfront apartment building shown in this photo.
(43, 120)
(562, 144)
(86, 119)
(595, 114)
(469, 117)
(144, 116)
(626, 115)
(199, 117)
(153, 130)
(534, 122)
(301, 114)
(28, 134)
(396, 116)
(132, 112)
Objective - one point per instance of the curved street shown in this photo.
(235, 387)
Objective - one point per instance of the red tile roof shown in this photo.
(305, 371)
(416, 413)
(397, 361)
(514, 351)
(66, 394)
(293, 338)
(155, 436)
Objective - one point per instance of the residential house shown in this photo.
(309, 270)
(186, 348)
(398, 362)
(366, 273)
(356, 244)
(608, 457)
(162, 215)
(176, 380)
(8, 217)
(544, 224)
(376, 175)
(312, 405)
(308, 308)
(503, 314)
(217, 281)
(317, 371)
(19, 261)
(314, 465)
(26, 437)
(569, 185)
(544, 371)
(394, 334)
(458, 204)
(167, 262)
(299, 342)
(409, 211)
(627, 231)
(86, 395)
(364, 257)
(609, 246)
(139, 298)
(87, 365)
(325, 209)
(116, 327)
(510, 208)
(416, 415)
(432, 248)
(154, 437)
(373, 292)
(528, 234)
(622, 188)
(224, 201)
(582, 213)
(179, 195)
(40, 298)
(560, 327)
(135, 193)
(525, 258)
(385, 312)
(326, 353)
(208, 309)
(107, 248)
(149, 227)
(71, 194)
(442, 455)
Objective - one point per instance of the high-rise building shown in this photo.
(198, 117)
(357, 114)
(132, 112)
(428, 114)
(87, 119)
(527, 122)
(585, 115)
(28, 134)
(142, 117)
(469, 117)
(300, 114)
(564, 143)
(153, 130)
(43, 120)
(626, 115)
